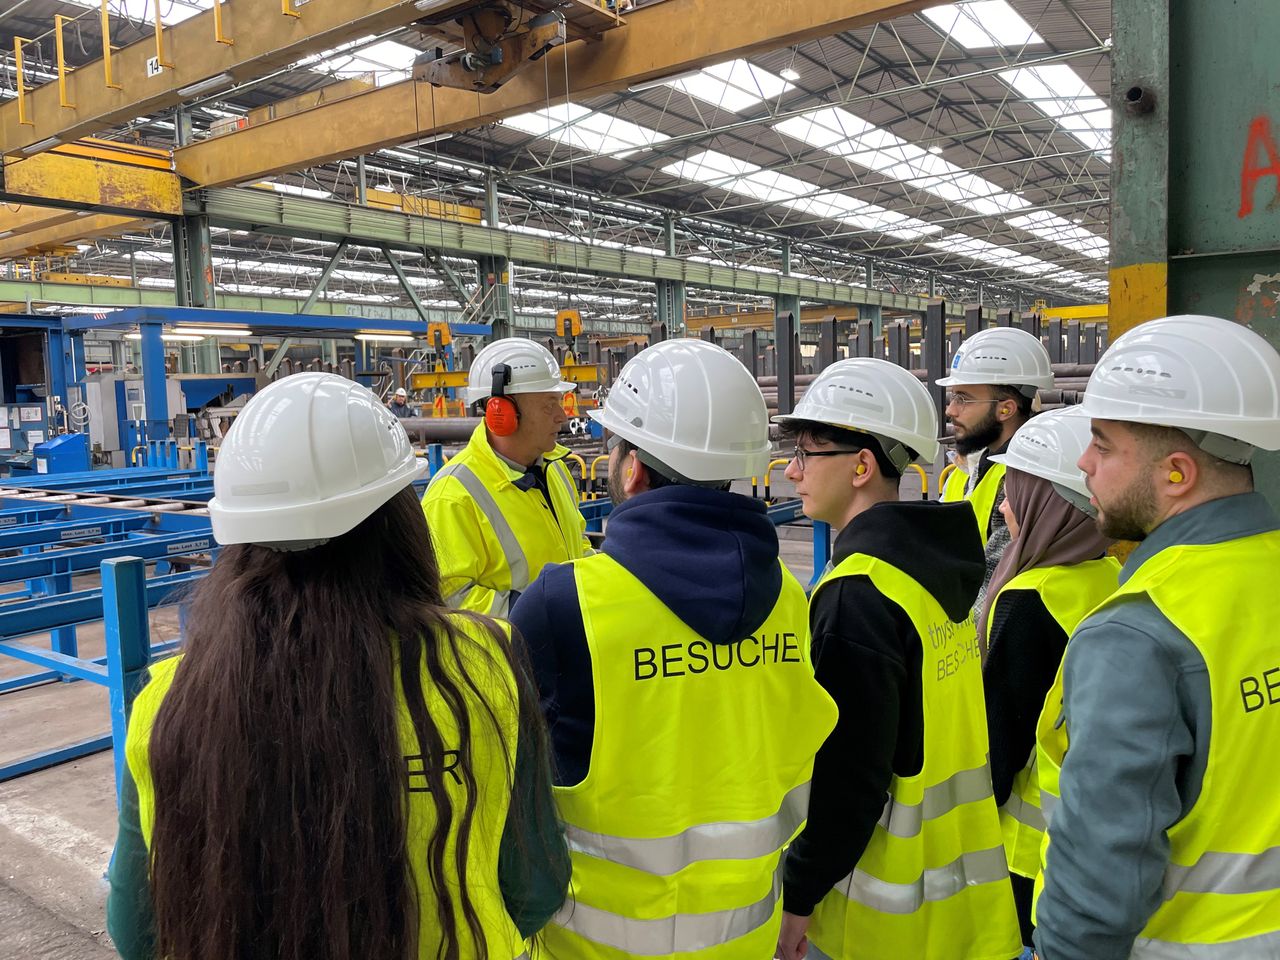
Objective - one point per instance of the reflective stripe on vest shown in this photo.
(1222, 879)
(566, 477)
(511, 551)
(1264, 946)
(931, 883)
(967, 786)
(1068, 593)
(682, 933)
(732, 840)
(677, 830)
(938, 883)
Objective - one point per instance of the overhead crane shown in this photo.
(665, 39)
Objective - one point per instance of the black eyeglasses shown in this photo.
(801, 454)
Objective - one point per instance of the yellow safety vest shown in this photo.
(492, 538)
(1068, 593)
(932, 883)
(492, 760)
(982, 497)
(1222, 882)
(699, 776)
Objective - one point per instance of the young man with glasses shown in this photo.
(993, 383)
(902, 855)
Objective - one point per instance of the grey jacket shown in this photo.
(1137, 706)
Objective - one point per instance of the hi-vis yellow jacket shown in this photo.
(492, 534)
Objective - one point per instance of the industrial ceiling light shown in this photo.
(207, 86)
(426, 141)
(215, 331)
(169, 337)
(789, 74)
(384, 337)
(45, 144)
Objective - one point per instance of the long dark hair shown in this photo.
(281, 782)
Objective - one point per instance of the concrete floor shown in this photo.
(57, 827)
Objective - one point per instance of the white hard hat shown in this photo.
(877, 397)
(1048, 446)
(1001, 356)
(694, 407)
(1200, 374)
(401, 392)
(533, 369)
(308, 459)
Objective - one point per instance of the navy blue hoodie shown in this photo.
(711, 557)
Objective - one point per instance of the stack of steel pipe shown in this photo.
(1069, 381)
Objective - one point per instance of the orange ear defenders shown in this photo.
(500, 414)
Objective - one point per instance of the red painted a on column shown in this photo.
(1261, 159)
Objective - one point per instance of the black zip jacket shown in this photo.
(868, 655)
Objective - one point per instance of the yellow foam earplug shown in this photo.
(861, 470)
(1175, 476)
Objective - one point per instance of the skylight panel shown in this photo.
(595, 132)
(1058, 92)
(387, 60)
(736, 85)
(737, 176)
(1059, 230)
(983, 25)
(847, 135)
(962, 245)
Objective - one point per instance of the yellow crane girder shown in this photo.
(661, 40)
(263, 35)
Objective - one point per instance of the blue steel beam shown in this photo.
(49, 758)
(262, 322)
(77, 560)
(71, 666)
(91, 481)
(68, 531)
(124, 604)
(153, 381)
(16, 518)
(84, 606)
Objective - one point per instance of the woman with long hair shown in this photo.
(1053, 573)
(337, 767)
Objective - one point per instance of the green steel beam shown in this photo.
(39, 293)
(1140, 163)
(1196, 179)
(242, 208)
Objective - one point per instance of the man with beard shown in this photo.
(675, 675)
(994, 378)
(1156, 747)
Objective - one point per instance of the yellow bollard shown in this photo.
(582, 475)
(595, 494)
(942, 477)
(924, 479)
(767, 472)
